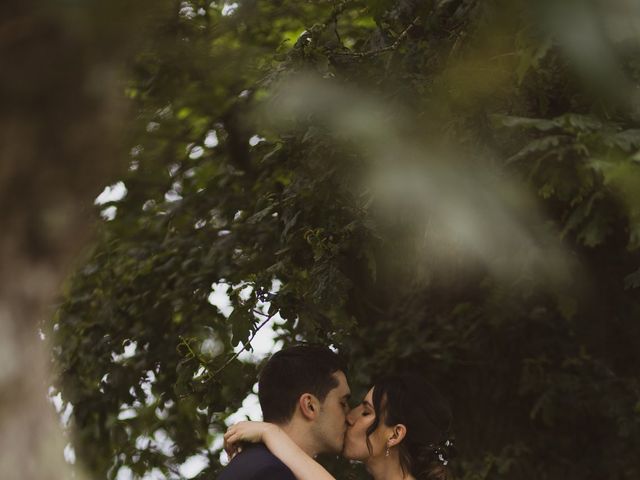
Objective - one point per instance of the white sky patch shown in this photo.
(229, 8)
(63, 410)
(128, 352)
(109, 213)
(143, 442)
(127, 414)
(217, 443)
(154, 474)
(152, 126)
(104, 379)
(200, 371)
(146, 387)
(55, 399)
(124, 473)
(174, 168)
(193, 466)
(65, 415)
(172, 196)
(211, 347)
(256, 139)
(111, 193)
(187, 10)
(245, 293)
(136, 151)
(211, 140)
(161, 413)
(250, 409)
(163, 442)
(219, 298)
(263, 343)
(148, 205)
(196, 152)
(69, 454)
(165, 112)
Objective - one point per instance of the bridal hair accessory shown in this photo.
(443, 452)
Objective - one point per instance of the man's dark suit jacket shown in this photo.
(256, 462)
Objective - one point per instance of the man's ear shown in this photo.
(309, 406)
(397, 435)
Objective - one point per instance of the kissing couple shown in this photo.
(400, 430)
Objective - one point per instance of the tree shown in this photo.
(60, 111)
(449, 187)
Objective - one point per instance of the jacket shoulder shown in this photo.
(256, 462)
(275, 472)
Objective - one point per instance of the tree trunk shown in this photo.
(59, 107)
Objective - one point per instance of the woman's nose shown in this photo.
(350, 418)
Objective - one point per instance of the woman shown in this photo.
(400, 431)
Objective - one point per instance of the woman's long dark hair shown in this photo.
(427, 446)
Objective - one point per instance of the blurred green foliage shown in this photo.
(229, 186)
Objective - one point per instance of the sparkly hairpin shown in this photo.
(442, 451)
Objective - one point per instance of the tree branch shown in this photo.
(380, 51)
(244, 346)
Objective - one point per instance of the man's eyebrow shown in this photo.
(347, 396)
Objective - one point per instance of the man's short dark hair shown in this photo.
(291, 372)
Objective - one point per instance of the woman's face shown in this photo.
(359, 420)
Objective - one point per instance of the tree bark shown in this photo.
(59, 112)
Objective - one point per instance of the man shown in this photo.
(303, 390)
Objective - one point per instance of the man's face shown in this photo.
(331, 423)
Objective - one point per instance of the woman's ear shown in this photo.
(398, 433)
(309, 406)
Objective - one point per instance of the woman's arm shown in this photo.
(280, 444)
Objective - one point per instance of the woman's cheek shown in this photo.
(363, 425)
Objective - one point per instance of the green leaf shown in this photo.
(371, 263)
(261, 215)
(595, 230)
(540, 124)
(241, 321)
(538, 146)
(584, 123)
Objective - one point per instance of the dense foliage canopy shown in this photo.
(449, 186)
